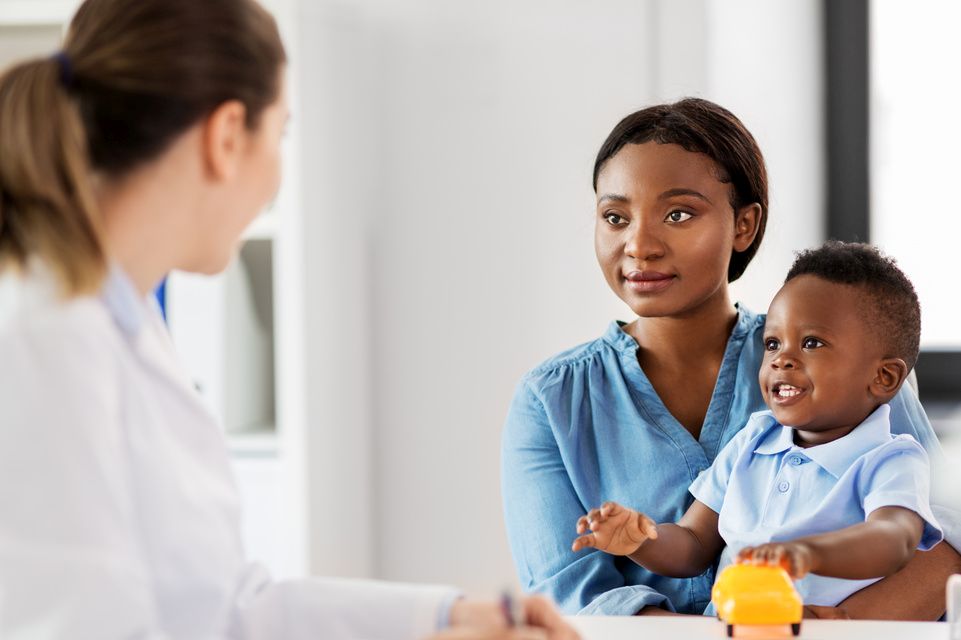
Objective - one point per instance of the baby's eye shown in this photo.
(678, 216)
(811, 343)
(772, 344)
(613, 219)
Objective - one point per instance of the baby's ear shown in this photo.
(890, 374)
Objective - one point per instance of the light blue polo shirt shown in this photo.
(765, 488)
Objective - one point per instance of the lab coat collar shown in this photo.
(127, 308)
(139, 319)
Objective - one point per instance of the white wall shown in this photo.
(763, 61)
(766, 65)
(339, 174)
(484, 248)
(447, 151)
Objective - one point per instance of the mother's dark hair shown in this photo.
(700, 126)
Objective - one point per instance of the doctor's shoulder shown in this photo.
(40, 327)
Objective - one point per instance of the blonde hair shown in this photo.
(133, 75)
(47, 207)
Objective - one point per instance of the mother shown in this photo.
(635, 415)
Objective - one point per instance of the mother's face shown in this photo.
(665, 228)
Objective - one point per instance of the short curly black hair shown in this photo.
(893, 310)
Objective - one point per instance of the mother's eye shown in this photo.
(614, 219)
(677, 216)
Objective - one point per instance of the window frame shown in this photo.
(848, 180)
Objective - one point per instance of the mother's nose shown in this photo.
(644, 241)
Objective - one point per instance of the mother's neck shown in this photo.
(690, 336)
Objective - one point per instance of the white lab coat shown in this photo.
(119, 517)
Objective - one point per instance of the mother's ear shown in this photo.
(746, 223)
(890, 374)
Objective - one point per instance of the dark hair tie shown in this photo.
(66, 69)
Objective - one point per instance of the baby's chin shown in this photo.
(795, 417)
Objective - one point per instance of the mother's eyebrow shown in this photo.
(616, 197)
(670, 193)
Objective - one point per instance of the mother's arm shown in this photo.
(541, 510)
(916, 592)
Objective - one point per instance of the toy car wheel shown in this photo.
(795, 628)
(730, 631)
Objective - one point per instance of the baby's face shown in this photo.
(819, 358)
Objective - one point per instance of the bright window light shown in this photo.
(916, 153)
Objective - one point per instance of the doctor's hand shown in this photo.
(484, 620)
(614, 529)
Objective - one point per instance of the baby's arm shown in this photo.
(876, 548)
(679, 550)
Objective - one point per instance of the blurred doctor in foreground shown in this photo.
(148, 144)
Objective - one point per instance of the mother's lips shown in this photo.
(648, 281)
(647, 276)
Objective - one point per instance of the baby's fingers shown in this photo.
(582, 524)
(745, 555)
(583, 542)
(609, 509)
(797, 563)
(761, 554)
(768, 554)
(594, 517)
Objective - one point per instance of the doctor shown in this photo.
(148, 144)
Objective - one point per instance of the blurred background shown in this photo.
(432, 240)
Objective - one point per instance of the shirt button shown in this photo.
(795, 461)
(783, 486)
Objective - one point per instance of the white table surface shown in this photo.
(676, 628)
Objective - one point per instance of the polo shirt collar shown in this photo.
(775, 440)
(837, 456)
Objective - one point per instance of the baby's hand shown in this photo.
(614, 529)
(795, 557)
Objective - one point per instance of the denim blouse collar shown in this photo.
(623, 342)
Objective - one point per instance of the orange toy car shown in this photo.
(756, 594)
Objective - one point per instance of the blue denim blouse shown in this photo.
(587, 426)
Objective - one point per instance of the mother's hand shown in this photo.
(825, 613)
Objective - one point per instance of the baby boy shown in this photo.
(818, 483)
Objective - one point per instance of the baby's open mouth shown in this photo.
(785, 390)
